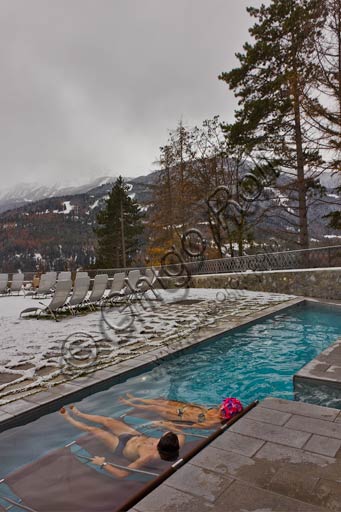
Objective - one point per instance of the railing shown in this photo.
(287, 260)
(321, 257)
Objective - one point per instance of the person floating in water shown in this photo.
(192, 415)
(124, 440)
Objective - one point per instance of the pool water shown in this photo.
(250, 363)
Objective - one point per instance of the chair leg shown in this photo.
(53, 314)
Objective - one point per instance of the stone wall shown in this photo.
(320, 283)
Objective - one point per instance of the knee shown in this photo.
(110, 423)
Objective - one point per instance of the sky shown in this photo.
(91, 88)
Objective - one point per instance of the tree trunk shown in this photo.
(338, 22)
(302, 199)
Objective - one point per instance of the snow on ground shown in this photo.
(95, 204)
(67, 207)
(36, 352)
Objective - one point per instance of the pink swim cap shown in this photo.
(230, 407)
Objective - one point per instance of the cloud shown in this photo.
(90, 88)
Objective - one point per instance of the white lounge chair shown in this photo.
(118, 288)
(132, 280)
(152, 275)
(147, 282)
(138, 285)
(46, 285)
(4, 284)
(57, 303)
(79, 293)
(17, 283)
(64, 276)
(81, 274)
(98, 291)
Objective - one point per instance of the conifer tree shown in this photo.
(118, 230)
(324, 108)
(275, 75)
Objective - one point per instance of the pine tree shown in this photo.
(275, 76)
(324, 109)
(118, 229)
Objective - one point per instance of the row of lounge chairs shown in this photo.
(46, 284)
(66, 298)
(16, 286)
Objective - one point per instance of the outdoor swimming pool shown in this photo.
(250, 363)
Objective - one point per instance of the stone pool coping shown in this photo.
(33, 406)
(325, 369)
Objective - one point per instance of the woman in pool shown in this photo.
(122, 439)
(191, 415)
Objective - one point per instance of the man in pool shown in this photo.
(124, 440)
(192, 415)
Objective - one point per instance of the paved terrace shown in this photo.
(281, 456)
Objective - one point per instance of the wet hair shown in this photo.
(168, 446)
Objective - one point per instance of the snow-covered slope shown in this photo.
(29, 192)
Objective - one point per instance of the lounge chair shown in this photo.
(17, 283)
(98, 291)
(118, 288)
(138, 285)
(57, 303)
(46, 285)
(3, 284)
(64, 276)
(132, 280)
(81, 274)
(79, 293)
(152, 276)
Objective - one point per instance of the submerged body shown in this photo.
(193, 415)
(120, 438)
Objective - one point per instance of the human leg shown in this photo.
(170, 413)
(110, 440)
(118, 427)
(160, 402)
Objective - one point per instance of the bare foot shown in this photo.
(74, 409)
(125, 401)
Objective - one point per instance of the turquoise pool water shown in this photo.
(250, 363)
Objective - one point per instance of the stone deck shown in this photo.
(281, 456)
(320, 379)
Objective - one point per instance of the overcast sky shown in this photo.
(91, 87)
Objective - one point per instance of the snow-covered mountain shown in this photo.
(25, 193)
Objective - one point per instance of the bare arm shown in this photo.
(100, 461)
(174, 428)
(121, 473)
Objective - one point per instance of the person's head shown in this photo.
(168, 446)
(229, 408)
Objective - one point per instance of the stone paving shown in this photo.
(320, 379)
(280, 456)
